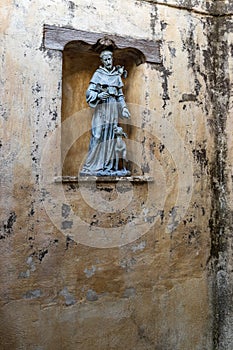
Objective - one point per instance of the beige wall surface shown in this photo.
(127, 265)
(211, 7)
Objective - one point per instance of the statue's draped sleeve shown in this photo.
(92, 95)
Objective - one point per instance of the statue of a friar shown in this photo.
(105, 95)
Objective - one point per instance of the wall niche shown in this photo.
(80, 59)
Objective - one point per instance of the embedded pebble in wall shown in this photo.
(92, 295)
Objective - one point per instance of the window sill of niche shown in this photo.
(99, 179)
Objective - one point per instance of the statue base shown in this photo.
(122, 172)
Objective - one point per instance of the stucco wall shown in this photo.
(71, 284)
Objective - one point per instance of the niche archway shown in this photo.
(80, 60)
(80, 51)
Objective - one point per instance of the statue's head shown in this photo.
(106, 57)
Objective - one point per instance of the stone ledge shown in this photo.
(84, 179)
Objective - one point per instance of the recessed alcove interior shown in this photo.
(80, 60)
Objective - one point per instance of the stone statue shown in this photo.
(105, 95)
(120, 149)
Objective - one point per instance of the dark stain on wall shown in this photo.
(188, 97)
(7, 226)
(220, 221)
(161, 148)
(153, 19)
(200, 156)
(163, 25)
(71, 5)
(42, 253)
(32, 210)
(65, 210)
(36, 88)
(70, 242)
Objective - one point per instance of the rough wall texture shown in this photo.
(221, 218)
(172, 287)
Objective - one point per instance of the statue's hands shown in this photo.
(103, 95)
(125, 113)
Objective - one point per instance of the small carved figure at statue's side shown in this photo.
(105, 95)
(120, 151)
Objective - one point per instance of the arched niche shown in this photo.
(80, 60)
(80, 52)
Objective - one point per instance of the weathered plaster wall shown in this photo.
(169, 289)
(209, 7)
(221, 223)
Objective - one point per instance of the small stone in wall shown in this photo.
(32, 294)
(129, 292)
(140, 246)
(90, 272)
(91, 295)
(66, 224)
(69, 298)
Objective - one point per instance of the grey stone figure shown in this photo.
(120, 151)
(105, 95)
